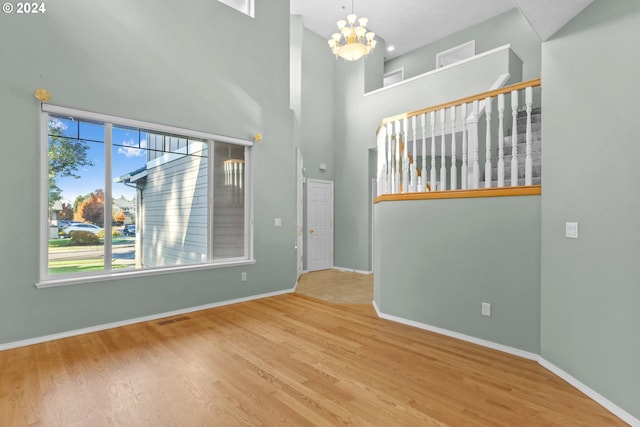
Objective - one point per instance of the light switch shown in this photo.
(571, 230)
(486, 309)
(277, 222)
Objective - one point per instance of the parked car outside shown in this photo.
(129, 230)
(83, 226)
(62, 223)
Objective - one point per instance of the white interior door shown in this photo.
(299, 211)
(319, 224)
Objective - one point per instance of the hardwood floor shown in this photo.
(337, 286)
(289, 360)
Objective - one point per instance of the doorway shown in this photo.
(319, 224)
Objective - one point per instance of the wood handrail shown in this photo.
(479, 97)
(531, 190)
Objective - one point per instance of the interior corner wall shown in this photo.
(317, 114)
(158, 61)
(508, 28)
(590, 289)
(318, 107)
(374, 67)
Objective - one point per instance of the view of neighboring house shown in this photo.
(173, 192)
(127, 207)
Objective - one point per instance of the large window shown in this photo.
(125, 196)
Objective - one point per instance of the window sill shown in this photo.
(85, 279)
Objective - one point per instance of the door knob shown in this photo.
(311, 231)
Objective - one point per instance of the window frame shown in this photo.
(468, 50)
(46, 280)
(393, 74)
(249, 7)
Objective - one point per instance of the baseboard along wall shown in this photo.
(592, 394)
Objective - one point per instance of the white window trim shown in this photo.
(46, 281)
(395, 72)
(249, 5)
(461, 47)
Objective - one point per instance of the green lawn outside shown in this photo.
(83, 265)
(66, 243)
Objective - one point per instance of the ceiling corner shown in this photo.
(546, 17)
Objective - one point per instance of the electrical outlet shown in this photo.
(571, 230)
(243, 277)
(486, 309)
(277, 222)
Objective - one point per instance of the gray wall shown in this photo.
(316, 138)
(590, 286)
(159, 61)
(436, 265)
(508, 28)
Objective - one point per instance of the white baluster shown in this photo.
(423, 173)
(398, 165)
(487, 162)
(405, 156)
(390, 179)
(414, 163)
(501, 140)
(381, 169)
(454, 168)
(514, 138)
(528, 162)
(389, 158)
(387, 142)
(432, 178)
(473, 144)
(443, 164)
(465, 156)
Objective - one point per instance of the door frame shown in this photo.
(299, 213)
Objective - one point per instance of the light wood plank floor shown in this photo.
(337, 286)
(288, 360)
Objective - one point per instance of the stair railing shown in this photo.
(398, 171)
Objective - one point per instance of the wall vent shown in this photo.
(174, 320)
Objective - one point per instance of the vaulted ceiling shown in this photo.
(409, 24)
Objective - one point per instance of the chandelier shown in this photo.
(352, 42)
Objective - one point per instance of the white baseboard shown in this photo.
(592, 394)
(597, 397)
(351, 270)
(82, 331)
(463, 337)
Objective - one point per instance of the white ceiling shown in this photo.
(409, 24)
